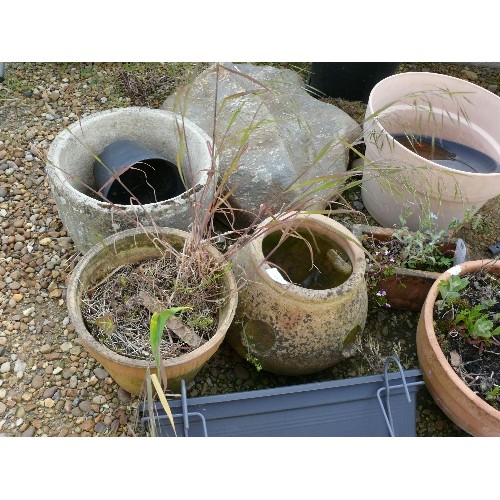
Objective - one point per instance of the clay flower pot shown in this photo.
(452, 395)
(290, 329)
(406, 289)
(128, 247)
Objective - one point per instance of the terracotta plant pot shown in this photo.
(293, 330)
(128, 247)
(406, 289)
(450, 392)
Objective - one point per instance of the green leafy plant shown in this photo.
(449, 290)
(477, 323)
(421, 249)
(473, 322)
(156, 328)
(493, 393)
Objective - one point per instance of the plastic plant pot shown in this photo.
(352, 81)
(399, 182)
(127, 169)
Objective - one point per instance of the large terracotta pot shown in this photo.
(452, 395)
(127, 247)
(293, 330)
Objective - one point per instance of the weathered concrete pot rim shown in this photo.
(93, 256)
(68, 134)
(427, 316)
(324, 226)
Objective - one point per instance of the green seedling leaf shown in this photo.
(493, 394)
(449, 288)
(156, 327)
(482, 328)
(106, 323)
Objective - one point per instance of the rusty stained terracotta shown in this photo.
(292, 330)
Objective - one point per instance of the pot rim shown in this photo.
(326, 227)
(463, 269)
(62, 179)
(410, 74)
(76, 286)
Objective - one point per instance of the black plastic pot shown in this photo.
(128, 167)
(352, 81)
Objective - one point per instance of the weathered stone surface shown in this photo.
(291, 129)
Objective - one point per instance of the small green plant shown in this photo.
(473, 323)
(421, 249)
(424, 249)
(493, 393)
(477, 323)
(249, 344)
(156, 327)
(449, 290)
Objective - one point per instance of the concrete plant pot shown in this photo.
(127, 247)
(290, 329)
(398, 181)
(87, 217)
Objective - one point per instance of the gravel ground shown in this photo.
(49, 385)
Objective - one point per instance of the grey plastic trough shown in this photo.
(356, 407)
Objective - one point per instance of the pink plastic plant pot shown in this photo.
(397, 181)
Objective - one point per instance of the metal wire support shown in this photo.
(185, 414)
(386, 410)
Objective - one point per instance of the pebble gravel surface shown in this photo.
(49, 384)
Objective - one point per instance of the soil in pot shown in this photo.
(118, 309)
(467, 326)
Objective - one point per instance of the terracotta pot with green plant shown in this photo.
(404, 264)
(118, 287)
(458, 345)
